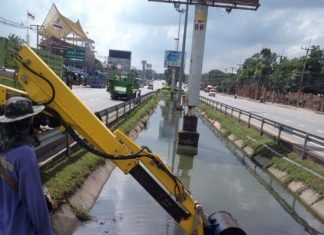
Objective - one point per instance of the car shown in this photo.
(212, 92)
(150, 86)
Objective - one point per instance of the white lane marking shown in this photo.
(320, 131)
(287, 121)
(301, 125)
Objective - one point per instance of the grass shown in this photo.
(129, 123)
(295, 173)
(238, 129)
(232, 126)
(67, 176)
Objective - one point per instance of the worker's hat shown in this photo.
(17, 108)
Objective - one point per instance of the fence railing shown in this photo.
(309, 141)
(54, 141)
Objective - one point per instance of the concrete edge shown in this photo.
(312, 201)
(64, 221)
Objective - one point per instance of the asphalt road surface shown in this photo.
(98, 99)
(299, 118)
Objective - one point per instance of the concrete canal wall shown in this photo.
(311, 199)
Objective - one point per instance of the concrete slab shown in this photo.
(223, 131)
(239, 143)
(217, 125)
(309, 196)
(263, 161)
(141, 125)
(280, 175)
(64, 221)
(296, 186)
(249, 151)
(232, 137)
(133, 134)
(210, 120)
(318, 208)
(138, 129)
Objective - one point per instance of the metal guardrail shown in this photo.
(54, 141)
(307, 138)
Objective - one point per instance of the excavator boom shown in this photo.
(43, 86)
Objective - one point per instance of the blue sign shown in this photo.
(172, 58)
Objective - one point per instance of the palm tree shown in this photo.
(15, 41)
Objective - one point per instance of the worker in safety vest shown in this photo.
(23, 208)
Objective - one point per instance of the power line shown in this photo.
(15, 24)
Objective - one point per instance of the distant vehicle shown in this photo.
(122, 86)
(98, 80)
(150, 86)
(212, 92)
(208, 88)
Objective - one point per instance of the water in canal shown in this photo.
(215, 176)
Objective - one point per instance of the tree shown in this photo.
(313, 77)
(98, 64)
(168, 76)
(15, 41)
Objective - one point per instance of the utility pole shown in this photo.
(276, 81)
(237, 78)
(37, 33)
(143, 70)
(189, 135)
(307, 49)
(183, 50)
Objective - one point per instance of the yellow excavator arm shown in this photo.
(43, 86)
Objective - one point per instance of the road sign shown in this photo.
(75, 55)
(172, 58)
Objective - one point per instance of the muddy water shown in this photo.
(214, 176)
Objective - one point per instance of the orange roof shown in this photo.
(59, 26)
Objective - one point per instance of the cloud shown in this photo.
(148, 28)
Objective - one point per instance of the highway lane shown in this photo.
(299, 118)
(98, 99)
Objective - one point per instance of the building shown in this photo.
(62, 36)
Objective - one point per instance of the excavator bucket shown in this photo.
(222, 223)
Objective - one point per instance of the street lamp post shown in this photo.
(177, 7)
(177, 43)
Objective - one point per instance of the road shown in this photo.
(299, 118)
(98, 99)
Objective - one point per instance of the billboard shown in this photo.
(120, 60)
(149, 66)
(172, 58)
(120, 54)
(229, 4)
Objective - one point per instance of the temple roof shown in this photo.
(59, 26)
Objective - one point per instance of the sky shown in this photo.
(148, 28)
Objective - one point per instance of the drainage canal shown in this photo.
(215, 176)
